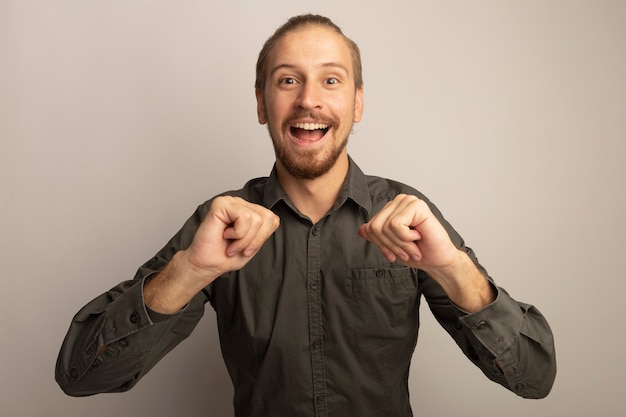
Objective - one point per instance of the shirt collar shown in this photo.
(354, 188)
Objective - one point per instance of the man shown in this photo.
(315, 273)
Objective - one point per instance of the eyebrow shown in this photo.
(296, 67)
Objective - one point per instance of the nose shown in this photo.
(309, 97)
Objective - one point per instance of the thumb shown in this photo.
(363, 232)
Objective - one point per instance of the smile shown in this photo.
(309, 132)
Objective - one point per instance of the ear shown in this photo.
(358, 105)
(260, 107)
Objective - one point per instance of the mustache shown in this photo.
(317, 116)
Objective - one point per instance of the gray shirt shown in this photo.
(318, 323)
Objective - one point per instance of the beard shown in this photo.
(307, 164)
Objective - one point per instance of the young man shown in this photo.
(315, 273)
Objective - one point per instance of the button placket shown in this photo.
(314, 303)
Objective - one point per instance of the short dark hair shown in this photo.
(298, 22)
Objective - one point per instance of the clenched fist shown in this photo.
(229, 236)
(406, 230)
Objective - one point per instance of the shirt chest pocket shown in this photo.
(384, 303)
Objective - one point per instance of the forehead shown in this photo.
(311, 46)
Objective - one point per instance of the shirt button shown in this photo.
(74, 373)
(481, 324)
(380, 273)
(134, 318)
(313, 285)
(316, 344)
(320, 399)
(124, 342)
(315, 231)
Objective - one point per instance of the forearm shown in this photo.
(464, 284)
(176, 285)
(511, 342)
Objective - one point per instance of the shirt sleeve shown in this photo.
(115, 339)
(510, 341)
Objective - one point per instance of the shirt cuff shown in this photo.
(497, 325)
(128, 314)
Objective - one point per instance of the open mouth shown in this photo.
(309, 132)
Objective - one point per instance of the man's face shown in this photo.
(310, 101)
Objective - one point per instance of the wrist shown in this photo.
(464, 284)
(174, 287)
(450, 274)
(197, 275)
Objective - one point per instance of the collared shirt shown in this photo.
(318, 323)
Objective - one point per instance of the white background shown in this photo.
(117, 118)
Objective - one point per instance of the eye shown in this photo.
(332, 81)
(287, 81)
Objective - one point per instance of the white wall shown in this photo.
(118, 117)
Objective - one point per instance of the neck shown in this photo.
(314, 198)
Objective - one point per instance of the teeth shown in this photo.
(310, 126)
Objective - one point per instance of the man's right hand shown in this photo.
(232, 232)
(230, 235)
